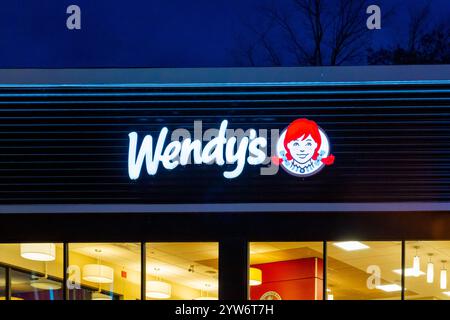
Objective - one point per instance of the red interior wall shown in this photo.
(299, 279)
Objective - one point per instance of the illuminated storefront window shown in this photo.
(286, 271)
(350, 270)
(104, 271)
(427, 265)
(36, 270)
(182, 271)
(364, 270)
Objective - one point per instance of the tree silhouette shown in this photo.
(425, 45)
(307, 32)
(334, 32)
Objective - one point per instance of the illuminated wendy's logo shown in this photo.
(303, 148)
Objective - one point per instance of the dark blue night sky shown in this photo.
(169, 33)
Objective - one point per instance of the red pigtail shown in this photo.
(276, 160)
(328, 160)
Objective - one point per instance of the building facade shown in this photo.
(105, 195)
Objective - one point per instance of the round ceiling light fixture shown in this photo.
(38, 251)
(98, 273)
(255, 276)
(45, 284)
(100, 296)
(157, 289)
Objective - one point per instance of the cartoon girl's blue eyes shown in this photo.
(296, 144)
(309, 144)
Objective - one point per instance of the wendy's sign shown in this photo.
(302, 150)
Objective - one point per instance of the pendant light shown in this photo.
(158, 289)
(38, 251)
(416, 264)
(443, 280)
(98, 273)
(44, 283)
(330, 295)
(255, 278)
(98, 295)
(100, 277)
(430, 269)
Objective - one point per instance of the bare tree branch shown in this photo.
(283, 21)
(313, 10)
(316, 32)
(349, 29)
(417, 25)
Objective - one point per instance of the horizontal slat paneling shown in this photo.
(70, 144)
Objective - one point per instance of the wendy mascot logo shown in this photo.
(303, 148)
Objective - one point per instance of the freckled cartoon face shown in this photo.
(301, 149)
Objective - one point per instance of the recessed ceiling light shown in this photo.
(409, 272)
(351, 245)
(447, 293)
(389, 287)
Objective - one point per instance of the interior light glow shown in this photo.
(416, 266)
(409, 272)
(389, 287)
(443, 282)
(430, 272)
(351, 245)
